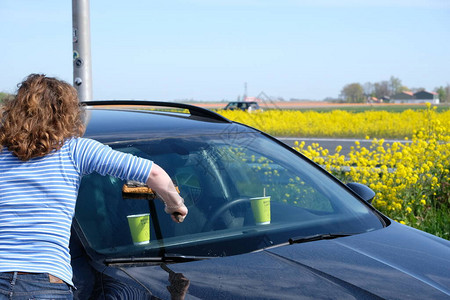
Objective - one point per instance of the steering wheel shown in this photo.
(221, 210)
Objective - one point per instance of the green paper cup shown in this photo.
(261, 210)
(140, 228)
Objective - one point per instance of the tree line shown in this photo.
(384, 90)
(4, 96)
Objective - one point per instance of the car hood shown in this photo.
(396, 262)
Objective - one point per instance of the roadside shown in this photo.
(326, 106)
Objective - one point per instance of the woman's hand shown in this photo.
(160, 182)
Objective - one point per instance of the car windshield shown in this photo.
(223, 180)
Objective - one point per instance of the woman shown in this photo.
(42, 160)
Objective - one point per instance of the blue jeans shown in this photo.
(32, 286)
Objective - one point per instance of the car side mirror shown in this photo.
(365, 192)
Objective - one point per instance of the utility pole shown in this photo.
(82, 63)
(245, 92)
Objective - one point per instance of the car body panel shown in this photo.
(375, 265)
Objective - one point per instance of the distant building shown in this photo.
(406, 95)
(424, 97)
(374, 100)
(418, 97)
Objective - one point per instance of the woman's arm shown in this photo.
(90, 155)
(160, 182)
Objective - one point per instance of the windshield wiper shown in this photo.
(167, 257)
(317, 237)
(173, 257)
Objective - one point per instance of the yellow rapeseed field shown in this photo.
(411, 180)
(338, 123)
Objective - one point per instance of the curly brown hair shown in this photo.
(44, 113)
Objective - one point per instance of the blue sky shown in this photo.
(208, 49)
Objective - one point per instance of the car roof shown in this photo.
(246, 102)
(116, 121)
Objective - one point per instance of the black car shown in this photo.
(317, 238)
(249, 106)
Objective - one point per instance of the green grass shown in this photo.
(437, 222)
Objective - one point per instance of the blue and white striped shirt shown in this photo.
(37, 202)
